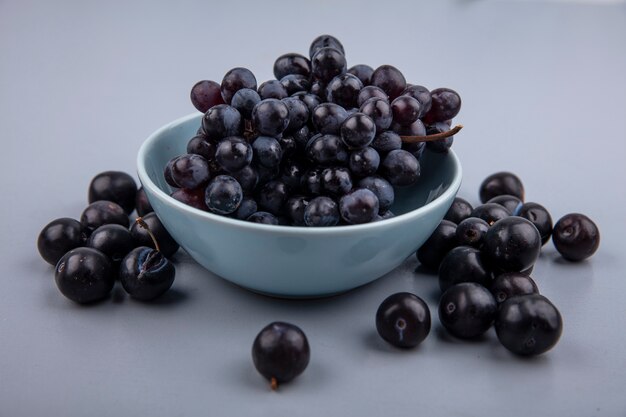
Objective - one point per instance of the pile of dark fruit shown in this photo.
(321, 145)
(91, 254)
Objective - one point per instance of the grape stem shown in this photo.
(431, 138)
(144, 225)
(273, 384)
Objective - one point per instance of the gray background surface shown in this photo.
(83, 83)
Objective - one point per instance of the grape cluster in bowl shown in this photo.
(321, 145)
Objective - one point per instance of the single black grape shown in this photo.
(510, 202)
(142, 204)
(464, 264)
(445, 105)
(576, 237)
(416, 128)
(266, 174)
(263, 217)
(389, 79)
(501, 183)
(272, 197)
(336, 181)
(311, 100)
(405, 109)
(146, 274)
(369, 92)
(386, 142)
(344, 90)
(267, 151)
(421, 94)
(246, 208)
(512, 244)
(490, 212)
(416, 148)
(247, 177)
(439, 243)
(193, 198)
(190, 171)
(223, 194)
(206, 94)
(233, 153)
(206, 148)
(272, 89)
(311, 181)
(403, 320)
(294, 208)
(291, 64)
(441, 145)
(167, 245)
(102, 212)
(362, 72)
(222, 121)
(294, 83)
(528, 324)
(302, 136)
(113, 240)
(235, 80)
(321, 211)
(327, 150)
(59, 237)
(401, 168)
(270, 117)
(359, 206)
(511, 284)
(244, 101)
(460, 210)
(382, 189)
(328, 118)
(467, 310)
(167, 173)
(364, 162)
(115, 186)
(380, 111)
(472, 232)
(324, 41)
(358, 131)
(318, 88)
(540, 217)
(84, 275)
(298, 113)
(327, 63)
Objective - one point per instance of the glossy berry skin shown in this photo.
(369, 92)
(84, 275)
(206, 148)
(112, 240)
(336, 181)
(235, 80)
(501, 183)
(440, 242)
(193, 198)
(190, 171)
(401, 168)
(311, 100)
(362, 72)
(467, 310)
(247, 177)
(102, 212)
(422, 95)
(59, 237)
(528, 325)
(324, 41)
(344, 90)
(233, 153)
(142, 204)
(328, 118)
(382, 189)
(358, 131)
(416, 128)
(359, 206)
(222, 121)
(327, 63)
(270, 117)
(405, 109)
(320, 212)
(246, 208)
(460, 210)
(403, 320)
(167, 173)
(472, 232)
(267, 151)
(509, 202)
(318, 88)
(244, 101)
(294, 208)
(146, 274)
(540, 217)
(511, 284)
(294, 83)
(272, 197)
(281, 352)
(364, 162)
(490, 212)
(380, 111)
(302, 137)
(272, 89)
(167, 244)
(464, 264)
(115, 186)
(223, 194)
(441, 145)
(291, 64)
(389, 79)
(445, 105)
(512, 244)
(386, 142)
(576, 237)
(415, 149)
(311, 181)
(263, 217)
(206, 94)
(298, 113)
(327, 150)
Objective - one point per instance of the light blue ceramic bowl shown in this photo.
(290, 261)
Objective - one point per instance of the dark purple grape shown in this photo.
(371, 91)
(291, 64)
(441, 145)
(272, 197)
(528, 325)
(358, 131)
(327, 63)
(540, 217)
(102, 212)
(206, 94)
(446, 104)
(167, 173)
(311, 100)
(422, 95)
(509, 202)
(223, 195)
(320, 212)
(222, 121)
(512, 284)
(291, 175)
(270, 117)
(84, 275)
(263, 217)
(113, 240)
(344, 90)
(386, 142)
(501, 183)
(311, 181)
(267, 151)
(302, 136)
(389, 79)
(244, 101)
(233, 153)
(362, 72)
(327, 150)
(318, 88)
(328, 117)
(405, 109)
(298, 113)
(202, 146)
(190, 171)
(380, 112)
(512, 244)
(246, 208)
(167, 244)
(294, 207)
(364, 162)
(267, 174)
(490, 212)
(359, 206)
(193, 198)
(576, 237)
(142, 204)
(401, 168)
(146, 274)
(235, 80)
(416, 148)
(295, 83)
(324, 41)
(416, 128)
(403, 319)
(115, 186)
(472, 232)
(460, 210)
(467, 310)
(464, 264)
(272, 89)
(247, 177)
(336, 181)
(382, 189)
(59, 237)
(440, 242)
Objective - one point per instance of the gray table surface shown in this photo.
(81, 86)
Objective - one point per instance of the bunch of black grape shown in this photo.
(320, 145)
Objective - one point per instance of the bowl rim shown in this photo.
(146, 182)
